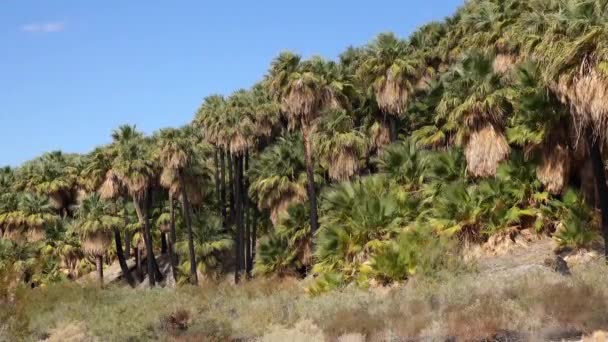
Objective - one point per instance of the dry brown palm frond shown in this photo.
(344, 166)
(554, 168)
(484, 151)
(587, 95)
(13, 234)
(111, 186)
(380, 133)
(96, 243)
(238, 144)
(392, 97)
(504, 63)
(35, 234)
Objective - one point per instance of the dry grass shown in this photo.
(465, 307)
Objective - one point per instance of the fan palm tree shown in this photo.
(175, 152)
(304, 89)
(95, 224)
(391, 73)
(340, 145)
(474, 106)
(133, 168)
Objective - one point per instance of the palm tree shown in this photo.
(474, 106)
(176, 155)
(340, 145)
(95, 224)
(132, 168)
(304, 89)
(210, 244)
(98, 174)
(391, 73)
(278, 177)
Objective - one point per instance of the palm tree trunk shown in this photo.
(223, 184)
(600, 183)
(127, 245)
(247, 218)
(127, 233)
(99, 265)
(393, 127)
(172, 238)
(231, 187)
(216, 176)
(126, 273)
(310, 175)
(254, 232)
(238, 168)
(140, 271)
(163, 244)
(188, 218)
(150, 260)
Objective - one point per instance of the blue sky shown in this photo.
(71, 71)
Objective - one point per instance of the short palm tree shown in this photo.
(341, 146)
(95, 224)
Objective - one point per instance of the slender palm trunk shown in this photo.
(393, 127)
(172, 238)
(223, 184)
(127, 233)
(163, 244)
(231, 187)
(140, 271)
(188, 218)
(254, 232)
(246, 206)
(310, 175)
(216, 176)
(238, 168)
(150, 260)
(126, 273)
(99, 265)
(600, 183)
(127, 245)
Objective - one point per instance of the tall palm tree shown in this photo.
(95, 224)
(304, 89)
(391, 73)
(133, 168)
(176, 155)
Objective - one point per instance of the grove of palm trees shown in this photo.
(331, 180)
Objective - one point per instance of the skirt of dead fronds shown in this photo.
(35, 234)
(110, 188)
(381, 135)
(13, 234)
(96, 243)
(587, 96)
(484, 151)
(238, 144)
(344, 166)
(504, 63)
(392, 97)
(554, 168)
(56, 200)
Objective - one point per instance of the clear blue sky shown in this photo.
(71, 71)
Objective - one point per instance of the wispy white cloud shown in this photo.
(48, 27)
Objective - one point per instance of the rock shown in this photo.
(558, 264)
(581, 256)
